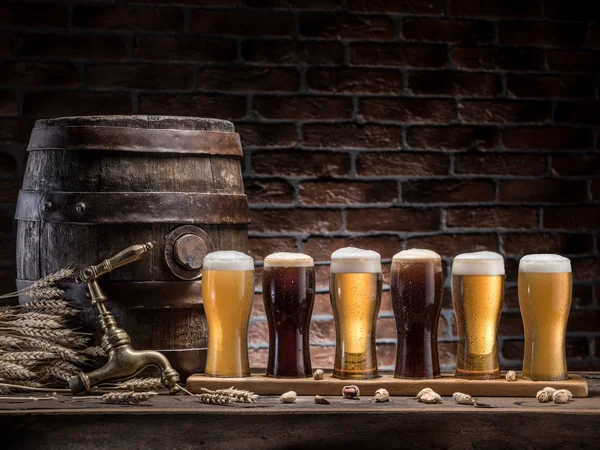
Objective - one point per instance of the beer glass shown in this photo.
(289, 294)
(477, 296)
(545, 299)
(417, 283)
(355, 288)
(227, 291)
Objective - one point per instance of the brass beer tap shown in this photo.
(123, 361)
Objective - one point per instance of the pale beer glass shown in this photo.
(227, 292)
(477, 296)
(355, 288)
(545, 284)
(289, 294)
(417, 283)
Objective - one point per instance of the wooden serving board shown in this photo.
(446, 385)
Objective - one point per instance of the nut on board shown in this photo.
(321, 400)
(463, 399)
(352, 392)
(288, 397)
(318, 374)
(382, 395)
(511, 375)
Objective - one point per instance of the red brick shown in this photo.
(9, 191)
(322, 305)
(448, 30)
(454, 84)
(548, 138)
(44, 104)
(447, 353)
(394, 6)
(392, 219)
(499, 164)
(7, 252)
(493, 217)
(583, 321)
(572, 218)
(321, 248)
(7, 43)
(258, 307)
(573, 61)
(235, 78)
(559, 10)
(398, 54)
(33, 15)
(346, 26)
(301, 163)
(295, 221)
(33, 74)
(242, 23)
(139, 76)
(504, 111)
(540, 34)
(386, 356)
(262, 135)
(15, 131)
(347, 192)
(517, 9)
(302, 108)
(386, 302)
(258, 333)
(322, 357)
(542, 191)
(284, 52)
(8, 166)
(587, 269)
(408, 110)
(216, 106)
(322, 277)
(576, 165)
(511, 266)
(512, 349)
(386, 329)
(550, 86)
(504, 58)
(520, 244)
(8, 104)
(577, 347)
(448, 191)
(354, 81)
(450, 245)
(322, 332)
(75, 46)
(450, 138)
(510, 325)
(261, 191)
(258, 357)
(184, 49)
(127, 18)
(577, 112)
(396, 163)
(348, 136)
(259, 248)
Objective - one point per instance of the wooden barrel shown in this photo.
(96, 185)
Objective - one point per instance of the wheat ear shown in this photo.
(140, 384)
(12, 371)
(127, 398)
(238, 395)
(56, 307)
(52, 278)
(19, 357)
(215, 399)
(61, 370)
(26, 322)
(93, 351)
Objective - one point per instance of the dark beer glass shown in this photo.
(289, 294)
(417, 284)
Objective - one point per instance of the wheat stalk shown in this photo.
(56, 307)
(27, 356)
(32, 323)
(64, 353)
(36, 315)
(66, 337)
(127, 398)
(49, 293)
(140, 384)
(11, 341)
(44, 284)
(93, 351)
(215, 399)
(237, 395)
(14, 371)
(61, 370)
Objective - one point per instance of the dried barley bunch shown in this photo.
(215, 399)
(127, 398)
(237, 395)
(140, 384)
(60, 370)
(13, 371)
(45, 284)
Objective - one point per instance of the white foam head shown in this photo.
(228, 260)
(478, 263)
(416, 254)
(355, 260)
(545, 263)
(285, 259)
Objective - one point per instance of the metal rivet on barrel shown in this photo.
(189, 251)
(47, 207)
(80, 207)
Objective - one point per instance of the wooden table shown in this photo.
(180, 422)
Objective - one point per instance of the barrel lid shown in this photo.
(154, 134)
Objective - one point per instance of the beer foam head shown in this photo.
(355, 260)
(284, 259)
(478, 263)
(228, 260)
(416, 253)
(544, 263)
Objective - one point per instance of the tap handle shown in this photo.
(130, 254)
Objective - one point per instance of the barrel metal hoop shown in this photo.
(132, 207)
(133, 294)
(136, 140)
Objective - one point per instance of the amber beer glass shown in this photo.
(355, 288)
(545, 285)
(417, 283)
(289, 294)
(227, 291)
(477, 296)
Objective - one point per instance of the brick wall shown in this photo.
(456, 125)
